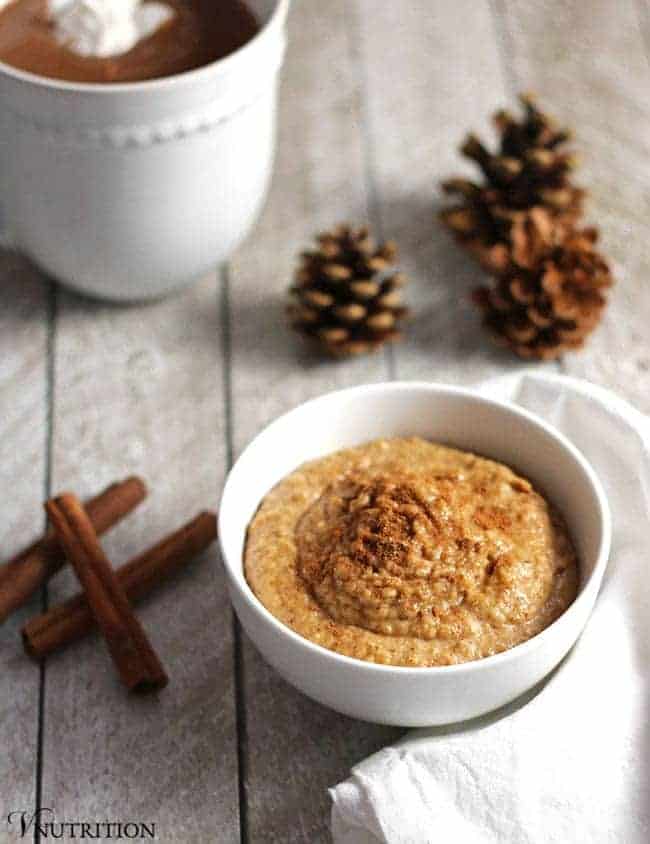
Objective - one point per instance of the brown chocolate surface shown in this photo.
(201, 32)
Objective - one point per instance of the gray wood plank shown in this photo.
(140, 390)
(434, 72)
(588, 63)
(412, 127)
(23, 438)
(294, 748)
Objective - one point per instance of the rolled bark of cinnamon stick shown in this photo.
(132, 653)
(29, 570)
(73, 619)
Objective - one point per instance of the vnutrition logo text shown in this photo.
(44, 822)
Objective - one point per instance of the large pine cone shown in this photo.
(347, 294)
(531, 170)
(551, 307)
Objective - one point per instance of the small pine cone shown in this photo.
(531, 170)
(550, 308)
(347, 295)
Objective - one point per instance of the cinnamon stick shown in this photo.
(29, 570)
(134, 658)
(73, 619)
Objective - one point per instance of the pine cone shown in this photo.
(551, 307)
(531, 170)
(347, 295)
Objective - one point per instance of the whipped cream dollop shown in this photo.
(103, 28)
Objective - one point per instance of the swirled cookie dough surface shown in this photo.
(406, 552)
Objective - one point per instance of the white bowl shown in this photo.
(130, 191)
(415, 696)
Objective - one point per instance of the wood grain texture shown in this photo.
(139, 390)
(448, 78)
(23, 443)
(294, 748)
(589, 65)
(376, 100)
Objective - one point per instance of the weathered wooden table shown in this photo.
(377, 96)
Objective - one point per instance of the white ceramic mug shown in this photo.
(130, 191)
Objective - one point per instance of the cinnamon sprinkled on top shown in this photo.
(407, 552)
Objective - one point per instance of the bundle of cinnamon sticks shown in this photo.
(108, 593)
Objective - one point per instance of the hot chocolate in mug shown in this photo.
(131, 191)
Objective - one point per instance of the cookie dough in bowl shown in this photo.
(406, 552)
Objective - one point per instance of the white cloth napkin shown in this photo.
(571, 764)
